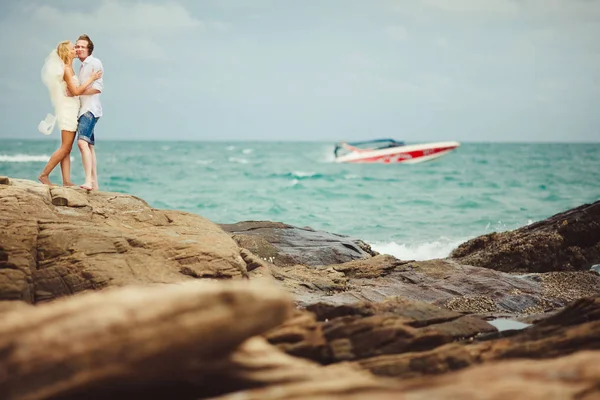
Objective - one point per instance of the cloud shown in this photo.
(144, 48)
(219, 26)
(361, 61)
(397, 33)
(486, 7)
(563, 11)
(442, 42)
(122, 17)
(135, 29)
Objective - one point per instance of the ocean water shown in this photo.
(418, 211)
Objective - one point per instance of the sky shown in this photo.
(317, 70)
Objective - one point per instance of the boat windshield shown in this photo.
(342, 148)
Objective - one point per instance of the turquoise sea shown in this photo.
(416, 211)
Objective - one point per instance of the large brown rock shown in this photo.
(575, 328)
(287, 245)
(122, 339)
(569, 241)
(59, 241)
(330, 334)
(445, 283)
(266, 373)
(576, 377)
(186, 341)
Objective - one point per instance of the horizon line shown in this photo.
(304, 141)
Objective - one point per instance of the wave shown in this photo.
(24, 158)
(419, 251)
(303, 174)
(238, 160)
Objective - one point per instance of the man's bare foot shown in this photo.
(95, 186)
(45, 180)
(86, 186)
(69, 184)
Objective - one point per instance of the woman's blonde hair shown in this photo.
(63, 51)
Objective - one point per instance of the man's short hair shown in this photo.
(90, 45)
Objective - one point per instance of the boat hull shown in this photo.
(409, 154)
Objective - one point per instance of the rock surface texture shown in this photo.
(569, 241)
(58, 241)
(104, 297)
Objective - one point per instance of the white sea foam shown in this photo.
(204, 162)
(302, 174)
(238, 160)
(418, 251)
(328, 155)
(24, 158)
(247, 151)
(502, 227)
(229, 148)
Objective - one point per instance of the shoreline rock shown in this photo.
(286, 245)
(49, 251)
(103, 296)
(568, 241)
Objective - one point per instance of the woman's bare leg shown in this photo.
(94, 172)
(67, 138)
(65, 164)
(86, 160)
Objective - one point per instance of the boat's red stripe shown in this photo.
(399, 157)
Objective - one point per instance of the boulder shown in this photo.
(109, 343)
(286, 245)
(569, 241)
(575, 328)
(190, 340)
(329, 334)
(444, 283)
(575, 377)
(60, 241)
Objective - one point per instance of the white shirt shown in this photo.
(91, 102)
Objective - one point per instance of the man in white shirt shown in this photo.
(90, 110)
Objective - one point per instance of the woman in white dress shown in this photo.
(64, 87)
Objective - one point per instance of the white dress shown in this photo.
(66, 108)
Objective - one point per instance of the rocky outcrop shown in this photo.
(191, 340)
(329, 334)
(575, 328)
(444, 283)
(61, 241)
(195, 340)
(137, 335)
(570, 378)
(575, 377)
(406, 338)
(57, 241)
(569, 241)
(156, 308)
(286, 245)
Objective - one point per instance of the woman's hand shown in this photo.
(96, 74)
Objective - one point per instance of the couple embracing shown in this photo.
(76, 101)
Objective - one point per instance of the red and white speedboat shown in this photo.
(388, 151)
